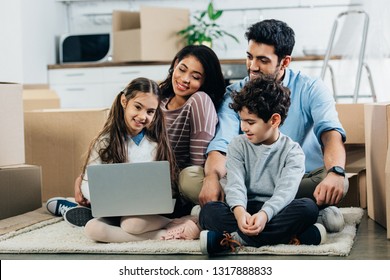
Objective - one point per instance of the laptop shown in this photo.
(128, 189)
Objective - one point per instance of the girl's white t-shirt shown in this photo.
(145, 151)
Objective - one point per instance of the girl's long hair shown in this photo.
(112, 138)
(214, 82)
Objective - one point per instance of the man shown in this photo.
(312, 122)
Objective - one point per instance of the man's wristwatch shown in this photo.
(338, 170)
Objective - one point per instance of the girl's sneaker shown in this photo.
(78, 216)
(59, 205)
(185, 229)
(195, 211)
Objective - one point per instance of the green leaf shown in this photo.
(216, 15)
(210, 10)
(213, 14)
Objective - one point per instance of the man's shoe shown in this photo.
(314, 235)
(213, 242)
(59, 205)
(78, 216)
(187, 230)
(331, 218)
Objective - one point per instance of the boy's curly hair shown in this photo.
(263, 96)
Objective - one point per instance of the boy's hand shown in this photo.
(258, 222)
(255, 224)
(242, 218)
(250, 225)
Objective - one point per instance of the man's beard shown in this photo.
(273, 75)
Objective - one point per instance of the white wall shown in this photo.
(11, 59)
(27, 31)
(42, 21)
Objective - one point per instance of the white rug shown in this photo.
(56, 236)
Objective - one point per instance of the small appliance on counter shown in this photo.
(76, 48)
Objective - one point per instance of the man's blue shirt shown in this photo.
(311, 113)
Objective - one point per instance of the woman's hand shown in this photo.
(78, 195)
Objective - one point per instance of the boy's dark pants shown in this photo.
(294, 219)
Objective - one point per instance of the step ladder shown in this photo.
(361, 62)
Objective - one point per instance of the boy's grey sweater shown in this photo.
(266, 173)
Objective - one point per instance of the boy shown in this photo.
(264, 169)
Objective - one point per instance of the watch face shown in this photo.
(338, 169)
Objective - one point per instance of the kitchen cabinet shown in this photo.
(116, 78)
(96, 87)
(78, 87)
(124, 74)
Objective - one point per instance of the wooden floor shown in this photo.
(371, 243)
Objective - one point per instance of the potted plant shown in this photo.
(205, 29)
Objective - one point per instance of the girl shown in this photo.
(135, 132)
(191, 93)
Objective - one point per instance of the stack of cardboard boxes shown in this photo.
(368, 158)
(352, 118)
(39, 96)
(20, 183)
(377, 128)
(42, 146)
(57, 140)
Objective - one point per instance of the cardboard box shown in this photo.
(387, 180)
(36, 86)
(20, 189)
(377, 124)
(148, 35)
(37, 97)
(351, 117)
(356, 169)
(357, 191)
(11, 124)
(57, 140)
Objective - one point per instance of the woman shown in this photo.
(191, 94)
